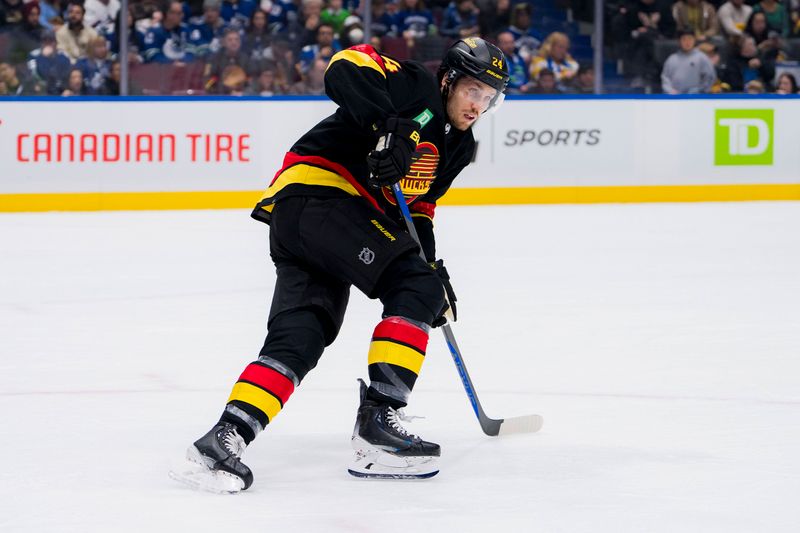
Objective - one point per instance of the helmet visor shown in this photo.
(496, 103)
(484, 97)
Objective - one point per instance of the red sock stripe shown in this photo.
(268, 379)
(403, 331)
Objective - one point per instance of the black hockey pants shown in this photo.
(322, 246)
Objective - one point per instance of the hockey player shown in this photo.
(334, 222)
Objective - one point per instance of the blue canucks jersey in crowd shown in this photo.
(529, 40)
(518, 71)
(453, 21)
(310, 52)
(137, 40)
(203, 38)
(95, 73)
(167, 46)
(280, 14)
(417, 21)
(237, 14)
(52, 69)
(384, 25)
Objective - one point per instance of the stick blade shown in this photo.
(521, 424)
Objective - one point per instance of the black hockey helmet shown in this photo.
(478, 59)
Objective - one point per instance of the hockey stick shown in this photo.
(490, 426)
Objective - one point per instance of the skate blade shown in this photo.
(373, 475)
(374, 463)
(196, 473)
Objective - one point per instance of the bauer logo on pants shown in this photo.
(743, 136)
(367, 256)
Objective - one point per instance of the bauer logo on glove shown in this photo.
(390, 160)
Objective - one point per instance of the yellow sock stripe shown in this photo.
(395, 354)
(247, 393)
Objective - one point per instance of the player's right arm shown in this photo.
(356, 80)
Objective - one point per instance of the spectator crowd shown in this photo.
(708, 46)
(275, 47)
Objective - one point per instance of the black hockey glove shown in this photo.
(450, 301)
(389, 162)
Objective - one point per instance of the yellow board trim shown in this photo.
(358, 58)
(128, 201)
(622, 194)
(395, 354)
(245, 392)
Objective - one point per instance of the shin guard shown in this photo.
(396, 354)
(258, 396)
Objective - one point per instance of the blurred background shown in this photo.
(281, 47)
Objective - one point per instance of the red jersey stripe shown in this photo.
(371, 52)
(292, 158)
(426, 208)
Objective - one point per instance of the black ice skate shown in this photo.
(213, 462)
(384, 449)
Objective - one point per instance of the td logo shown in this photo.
(743, 136)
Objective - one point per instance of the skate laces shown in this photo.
(395, 416)
(233, 442)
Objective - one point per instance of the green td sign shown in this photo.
(743, 136)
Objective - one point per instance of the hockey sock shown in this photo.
(396, 354)
(259, 395)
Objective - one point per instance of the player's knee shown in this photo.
(297, 338)
(431, 291)
(414, 292)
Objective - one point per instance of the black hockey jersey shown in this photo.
(330, 159)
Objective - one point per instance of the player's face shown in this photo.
(468, 99)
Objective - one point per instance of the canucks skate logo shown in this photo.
(420, 176)
(367, 256)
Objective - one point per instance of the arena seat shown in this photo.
(151, 77)
(397, 47)
(429, 48)
(793, 49)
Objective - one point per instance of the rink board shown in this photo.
(176, 153)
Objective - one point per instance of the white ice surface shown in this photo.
(661, 343)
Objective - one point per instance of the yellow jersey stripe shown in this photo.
(395, 354)
(308, 175)
(358, 58)
(257, 397)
